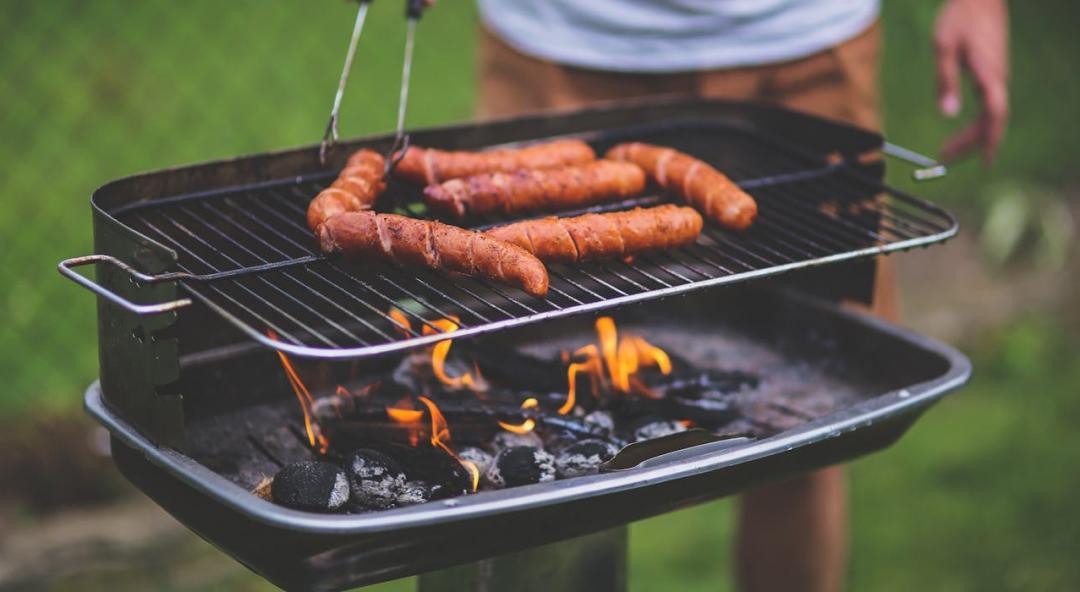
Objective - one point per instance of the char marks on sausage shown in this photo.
(356, 188)
(430, 166)
(531, 190)
(423, 243)
(702, 186)
(603, 236)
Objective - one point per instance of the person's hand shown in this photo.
(974, 35)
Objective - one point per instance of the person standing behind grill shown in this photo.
(817, 56)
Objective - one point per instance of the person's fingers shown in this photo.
(994, 95)
(963, 142)
(948, 72)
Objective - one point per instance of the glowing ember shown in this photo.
(622, 357)
(526, 426)
(440, 438)
(315, 437)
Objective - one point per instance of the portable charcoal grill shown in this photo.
(196, 264)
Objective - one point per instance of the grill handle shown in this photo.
(928, 167)
(67, 269)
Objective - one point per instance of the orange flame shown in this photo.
(440, 438)
(404, 414)
(526, 426)
(315, 436)
(441, 350)
(403, 325)
(623, 357)
(591, 365)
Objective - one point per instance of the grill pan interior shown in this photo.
(889, 377)
(253, 261)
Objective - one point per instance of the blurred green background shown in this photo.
(980, 495)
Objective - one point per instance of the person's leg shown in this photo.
(794, 535)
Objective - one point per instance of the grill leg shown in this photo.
(593, 563)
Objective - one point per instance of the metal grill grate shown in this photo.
(256, 263)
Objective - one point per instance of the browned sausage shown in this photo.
(356, 188)
(431, 166)
(702, 186)
(603, 236)
(529, 190)
(408, 241)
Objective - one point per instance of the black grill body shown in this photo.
(825, 214)
(232, 235)
(896, 374)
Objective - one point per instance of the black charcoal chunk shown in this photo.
(505, 440)
(376, 479)
(583, 458)
(656, 429)
(481, 458)
(311, 485)
(521, 465)
(414, 492)
(601, 420)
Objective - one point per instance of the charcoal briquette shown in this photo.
(521, 465)
(657, 429)
(583, 458)
(311, 485)
(414, 492)
(479, 457)
(375, 479)
(505, 440)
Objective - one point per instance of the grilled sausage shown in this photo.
(408, 241)
(702, 186)
(431, 166)
(529, 190)
(603, 236)
(356, 188)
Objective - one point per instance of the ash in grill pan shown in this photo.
(510, 427)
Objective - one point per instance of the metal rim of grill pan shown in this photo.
(862, 416)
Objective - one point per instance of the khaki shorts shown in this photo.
(838, 83)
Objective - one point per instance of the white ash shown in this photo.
(657, 429)
(504, 440)
(479, 457)
(376, 480)
(601, 420)
(521, 465)
(583, 458)
(414, 492)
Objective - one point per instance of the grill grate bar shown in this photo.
(261, 268)
(273, 286)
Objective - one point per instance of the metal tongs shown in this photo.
(330, 136)
(413, 10)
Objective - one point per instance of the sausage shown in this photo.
(529, 190)
(356, 188)
(603, 236)
(411, 242)
(702, 186)
(431, 166)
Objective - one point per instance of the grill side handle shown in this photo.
(67, 269)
